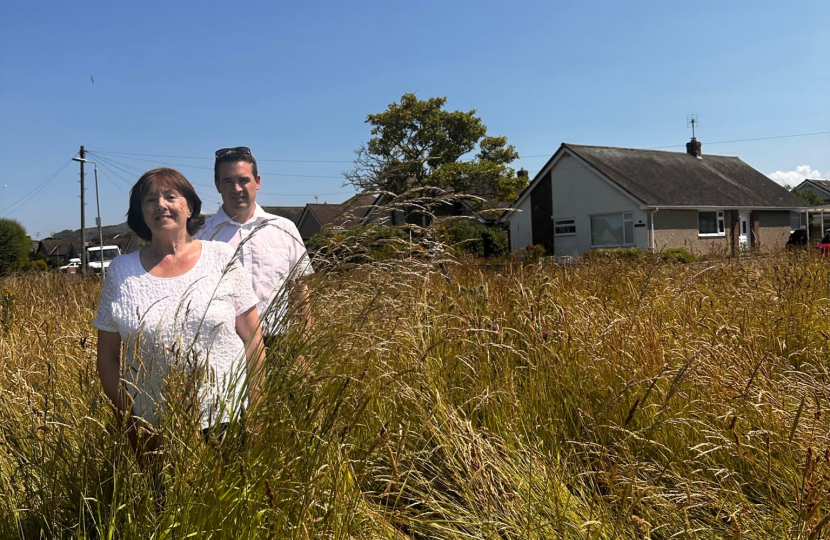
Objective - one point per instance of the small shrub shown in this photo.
(37, 265)
(41, 257)
(677, 254)
(530, 253)
(6, 309)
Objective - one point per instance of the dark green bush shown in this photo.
(14, 246)
(677, 254)
(364, 244)
(474, 238)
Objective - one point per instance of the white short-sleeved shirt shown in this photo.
(187, 323)
(271, 248)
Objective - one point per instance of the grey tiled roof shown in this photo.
(660, 178)
(354, 210)
(324, 213)
(290, 212)
(824, 184)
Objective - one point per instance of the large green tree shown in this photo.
(14, 246)
(809, 196)
(417, 143)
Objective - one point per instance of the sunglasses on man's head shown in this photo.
(236, 150)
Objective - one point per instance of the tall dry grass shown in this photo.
(610, 400)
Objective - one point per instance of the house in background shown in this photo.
(315, 217)
(589, 197)
(820, 187)
(294, 213)
(127, 243)
(58, 251)
(341, 217)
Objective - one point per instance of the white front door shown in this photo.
(744, 233)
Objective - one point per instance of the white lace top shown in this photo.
(181, 331)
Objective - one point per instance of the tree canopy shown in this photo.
(418, 143)
(14, 246)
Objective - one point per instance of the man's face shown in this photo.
(238, 187)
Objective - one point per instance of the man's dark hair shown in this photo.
(232, 155)
(163, 177)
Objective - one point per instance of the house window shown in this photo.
(564, 227)
(612, 230)
(710, 224)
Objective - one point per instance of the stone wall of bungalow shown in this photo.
(769, 230)
(680, 228)
(773, 229)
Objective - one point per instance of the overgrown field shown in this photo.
(610, 400)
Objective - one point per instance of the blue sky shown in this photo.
(295, 81)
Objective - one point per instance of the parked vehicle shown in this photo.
(71, 268)
(798, 238)
(823, 245)
(94, 260)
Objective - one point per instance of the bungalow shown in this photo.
(588, 197)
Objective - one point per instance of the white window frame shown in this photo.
(568, 222)
(719, 220)
(627, 217)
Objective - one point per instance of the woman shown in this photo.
(180, 305)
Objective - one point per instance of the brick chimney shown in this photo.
(693, 148)
(523, 173)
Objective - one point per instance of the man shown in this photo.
(269, 246)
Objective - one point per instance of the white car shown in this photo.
(71, 268)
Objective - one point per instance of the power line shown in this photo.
(716, 142)
(749, 140)
(114, 167)
(109, 165)
(15, 206)
(308, 194)
(211, 169)
(108, 179)
(124, 168)
(48, 227)
(123, 154)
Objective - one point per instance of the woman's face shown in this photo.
(165, 210)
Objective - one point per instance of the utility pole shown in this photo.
(98, 220)
(83, 215)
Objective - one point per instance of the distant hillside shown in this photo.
(92, 232)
